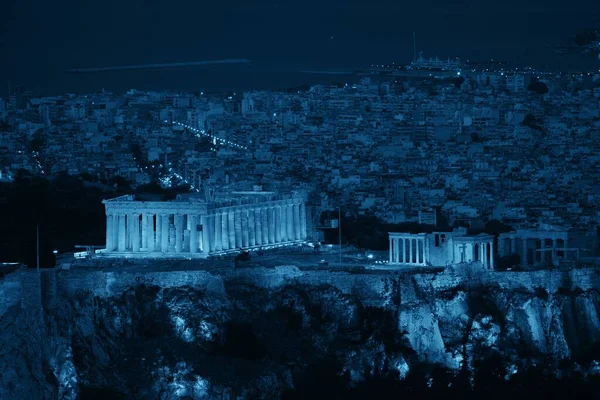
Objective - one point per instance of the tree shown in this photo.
(538, 87)
(475, 137)
(120, 182)
(531, 121)
(495, 227)
(38, 142)
(458, 81)
(5, 126)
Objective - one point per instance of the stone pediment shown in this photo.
(553, 228)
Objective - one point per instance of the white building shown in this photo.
(441, 248)
(193, 227)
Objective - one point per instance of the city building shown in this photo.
(192, 226)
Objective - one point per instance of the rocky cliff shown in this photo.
(286, 333)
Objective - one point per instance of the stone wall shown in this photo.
(552, 281)
(372, 289)
(11, 290)
(106, 284)
(377, 289)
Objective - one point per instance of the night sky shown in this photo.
(40, 38)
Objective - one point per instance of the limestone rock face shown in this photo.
(258, 333)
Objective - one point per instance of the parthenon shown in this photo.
(190, 226)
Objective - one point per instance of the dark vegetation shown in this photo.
(537, 87)
(68, 210)
(531, 121)
(370, 232)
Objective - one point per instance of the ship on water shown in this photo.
(434, 67)
(420, 67)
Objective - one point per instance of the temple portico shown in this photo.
(191, 227)
(410, 249)
(547, 244)
(441, 249)
(469, 249)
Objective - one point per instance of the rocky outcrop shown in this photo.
(261, 333)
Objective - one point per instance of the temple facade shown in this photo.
(190, 226)
(546, 245)
(441, 249)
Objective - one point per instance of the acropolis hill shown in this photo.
(77, 326)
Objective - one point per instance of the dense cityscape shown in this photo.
(520, 148)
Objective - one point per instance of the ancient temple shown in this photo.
(193, 226)
(441, 249)
(544, 245)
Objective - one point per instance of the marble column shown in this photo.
(145, 231)
(238, 229)
(524, 255)
(277, 223)
(157, 239)
(115, 231)
(193, 222)
(109, 233)
(257, 227)
(251, 228)
(400, 250)
(483, 247)
(150, 232)
(410, 259)
(513, 246)
(303, 233)
(554, 252)
(491, 266)
(231, 228)
(271, 218)
(218, 234)
(297, 228)
(210, 221)
(264, 223)
(128, 231)
(178, 233)
(164, 236)
(135, 232)
(482, 253)
(205, 247)
(283, 225)
(225, 231)
(290, 222)
(244, 222)
(391, 251)
(122, 233)
(417, 251)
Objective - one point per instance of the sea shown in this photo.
(208, 79)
